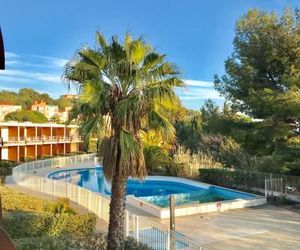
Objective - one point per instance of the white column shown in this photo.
(18, 154)
(4, 153)
(18, 133)
(35, 133)
(25, 138)
(5, 134)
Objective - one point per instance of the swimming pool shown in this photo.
(153, 190)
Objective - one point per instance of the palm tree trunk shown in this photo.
(116, 229)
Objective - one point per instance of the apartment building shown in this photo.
(6, 108)
(19, 141)
(48, 110)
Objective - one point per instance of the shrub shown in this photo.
(26, 115)
(91, 242)
(20, 225)
(233, 178)
(132, 244)
(61, 206)
(187, 163)
(44, 243)
(7, 164)
(15, 201)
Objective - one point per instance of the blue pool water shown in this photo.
(152, 191)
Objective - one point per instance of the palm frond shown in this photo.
(132, 158)
(92, 58)
(101, 40)
(162, 125)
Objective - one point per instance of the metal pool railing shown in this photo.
(155, 235)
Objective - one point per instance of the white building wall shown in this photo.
(4, 153)
(4, 133)
(5, 109)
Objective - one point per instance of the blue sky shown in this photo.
(40, 36)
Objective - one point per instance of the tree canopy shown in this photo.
(263, 73)
(26, 97)
(26, 116)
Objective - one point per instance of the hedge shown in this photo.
(27, 225)
(90, 242)
(233, 178)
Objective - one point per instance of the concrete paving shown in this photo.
(264, 227)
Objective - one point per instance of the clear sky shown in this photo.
(41, 35)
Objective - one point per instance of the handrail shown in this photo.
(156, 235)
(41, 139)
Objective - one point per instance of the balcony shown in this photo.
(15, 141)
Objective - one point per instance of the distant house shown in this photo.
(6, 108)
(48, 110)
(70, 96)
(64, 115)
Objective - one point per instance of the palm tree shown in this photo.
(121, 85)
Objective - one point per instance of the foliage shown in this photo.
(7, 164)
(15, 201)
(6, 169)
(89, 242)
(24, 225)
(189, 131)
(61, 206)
(64, 102)
(124, 88)
(55, 119)
(225, 121)
(263, 73)
(244, 179)
(262, 79)
(26, 115)
(155, 150)
(233, 178)
(156, 159)
(25, 97)
(186, 163)
(44, 243)
(132, 244)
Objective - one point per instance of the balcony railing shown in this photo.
(41, 140)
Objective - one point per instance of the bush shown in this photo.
(26, 116)
(20, 225)
(7, 164)
(233, 178)
(44, 243)
(61, 206)
(15, 201)
(132, 244)
(91, 242)
(186, 163)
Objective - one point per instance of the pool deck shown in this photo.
(263, 227)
